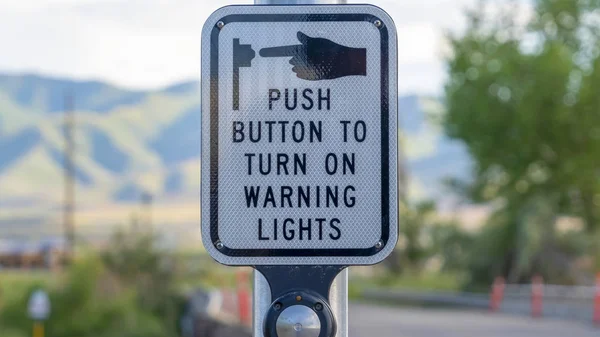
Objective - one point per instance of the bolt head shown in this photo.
(219, 245)
(379, 245)
(318, 307)
(378, 23)
(220, 24)
(277, 306)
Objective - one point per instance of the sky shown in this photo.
(148, 44)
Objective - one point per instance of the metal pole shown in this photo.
(38, 329)
(146, 201)
(338, 298)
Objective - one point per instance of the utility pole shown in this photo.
(146, 201)
(69, 176)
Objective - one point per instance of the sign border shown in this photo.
(214, 136)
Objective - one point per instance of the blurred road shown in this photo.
(374, 321)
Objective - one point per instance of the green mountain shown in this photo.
(128, 143)
(122, 138)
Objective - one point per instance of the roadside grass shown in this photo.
(201, 271)
(13, 283)
(448, 282)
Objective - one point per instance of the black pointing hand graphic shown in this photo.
(321, 59)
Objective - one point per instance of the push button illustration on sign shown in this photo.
(314, 59)
(318, 59)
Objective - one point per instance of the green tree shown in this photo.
(136, 262)
(425, 236)
(417, 220)
(411, 251)
(452, 245)
(522, 95)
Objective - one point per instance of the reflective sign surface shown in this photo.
(299, 143)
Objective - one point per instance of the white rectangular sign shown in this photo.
(299, 135)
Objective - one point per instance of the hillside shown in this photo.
(133, 142)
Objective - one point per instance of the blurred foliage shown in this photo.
(127, 292)
(417, 221)
(201, 270)
(427, 244)
(13, 333)
(522, 95)
(136, 262)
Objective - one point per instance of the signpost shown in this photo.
(38, 308)
(299, 151)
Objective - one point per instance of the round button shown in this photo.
(298, 321)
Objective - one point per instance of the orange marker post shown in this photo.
(537, 296)
(243, 298)
(597, 301)
(497, 294)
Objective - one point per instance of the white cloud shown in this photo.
(152, 43)
(36, 5)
